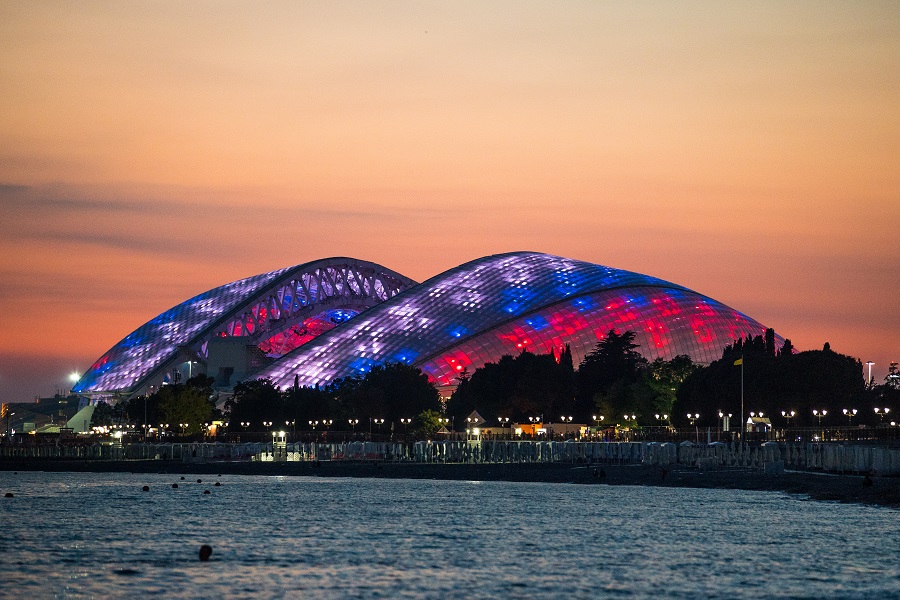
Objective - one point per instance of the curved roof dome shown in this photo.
(503, 304)
(277, 311)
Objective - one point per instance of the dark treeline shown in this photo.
(614, 382)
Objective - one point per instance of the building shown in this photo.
(333, 318)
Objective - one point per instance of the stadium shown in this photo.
(312, 323)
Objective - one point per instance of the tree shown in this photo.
(614, 359)
(815, 379)
(527, 385)
(254, 402)
(191, 403)
(663, 378)
(106, 415)
(390, 392)
(427, 423)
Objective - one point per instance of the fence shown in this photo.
(829, 457)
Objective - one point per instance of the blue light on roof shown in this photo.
(457, 331)
(537, 322)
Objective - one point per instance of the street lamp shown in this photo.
(353, 423)
(882, 412)
(694, 417)
(850, 414)
(788, 416)
(819, 414)
(869, 381)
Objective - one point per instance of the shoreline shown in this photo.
(884, 491)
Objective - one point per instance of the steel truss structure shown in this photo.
(276, 311)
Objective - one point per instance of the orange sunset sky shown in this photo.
(150, 151)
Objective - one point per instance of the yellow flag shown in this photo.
(739, 361)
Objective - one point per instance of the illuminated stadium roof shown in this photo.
(340, 316)
(276, 311)
(479, 311)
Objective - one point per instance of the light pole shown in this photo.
(882, 413)
(869, 364)
(819, 414)
(850, 413)
(788, 416)
(693, 417)
(725, 420)
(353, 423)
(503, 422)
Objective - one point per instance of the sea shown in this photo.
(82, 535)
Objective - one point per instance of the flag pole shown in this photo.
(743, 426)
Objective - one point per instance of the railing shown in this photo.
(802, 455)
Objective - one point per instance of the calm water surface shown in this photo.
(99, 535)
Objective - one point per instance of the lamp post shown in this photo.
(725, 422)
(869, 364)
(788, 415)
(353, 423)
(293, 424)
(693, 417)
(850, 413)
(504, 421)
(819, 414)
(882, 413)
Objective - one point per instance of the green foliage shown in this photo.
(662, 379)
(191, 403)
(427, 423)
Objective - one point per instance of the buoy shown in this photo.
(182, 478)
(206, 491)
(146, 488)
(175, 486)
(199, 481)
(8, 495)
(205, 552)
(218, 484)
